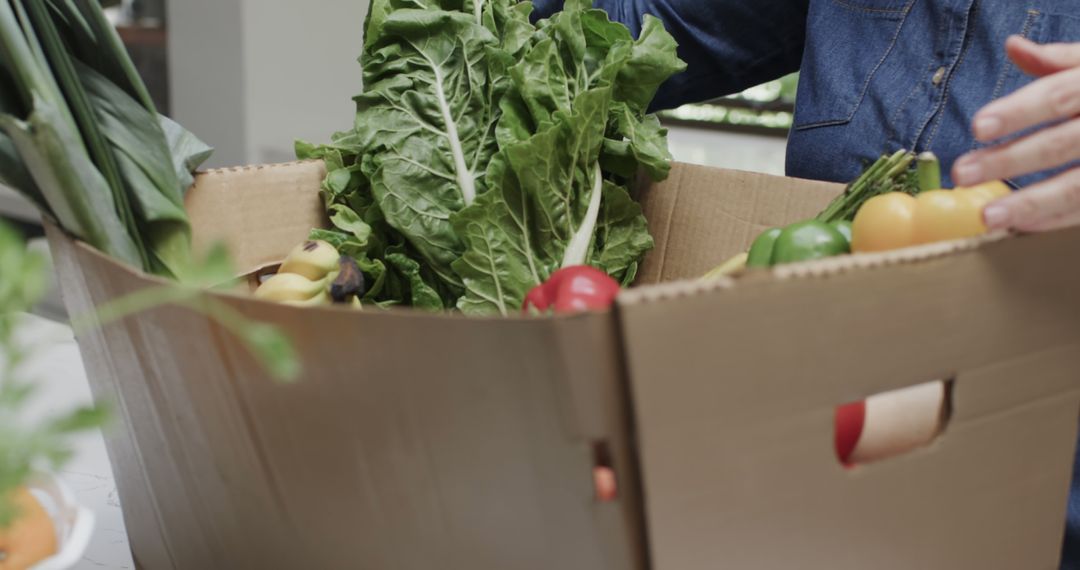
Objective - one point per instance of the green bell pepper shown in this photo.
(844, 227)
(803, 241)
(809, 240)
(762, 250)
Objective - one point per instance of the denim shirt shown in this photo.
(877, 75)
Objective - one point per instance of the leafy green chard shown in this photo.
(488, 152)
(574, 129)
(422, 140)
(428, 131)
(360, 230)
(26, 446)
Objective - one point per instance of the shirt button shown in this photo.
(939, 76)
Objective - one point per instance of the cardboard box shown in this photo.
(417, 441)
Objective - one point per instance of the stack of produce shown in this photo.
(891, 206)
(489, 152)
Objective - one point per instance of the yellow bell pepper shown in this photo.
(897, 220)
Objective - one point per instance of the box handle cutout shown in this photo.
(605, 483)
(892, 424)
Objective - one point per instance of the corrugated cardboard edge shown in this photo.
(619, 538)
(818, 269)
(254, 167)
(700, 216)
(229, 205)
(736, 382)
(803, 271)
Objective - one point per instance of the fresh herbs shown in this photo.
(890, 173)
(489, 152)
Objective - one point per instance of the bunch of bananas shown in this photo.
(315, 274)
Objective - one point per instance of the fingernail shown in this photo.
(996, 217)
(988, 127)
(968, 171)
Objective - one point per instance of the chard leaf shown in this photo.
(645, 139)
(426, 123)
(377, 274)
(516, 237)
(344, 243)
(622, 236)
(487, 152)
(510, 22)
(653, 61)
(498, 266)
(631, 276)
(348, 220)
(572, 110)
(421, 295)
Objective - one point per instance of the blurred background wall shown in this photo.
(250, 76)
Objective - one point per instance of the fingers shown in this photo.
(1048, 99)
(1046, 149)
(1042, 59)
(1048, 205)
(1054, 203)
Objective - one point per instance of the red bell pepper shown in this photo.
(573, 290)
(849, 422)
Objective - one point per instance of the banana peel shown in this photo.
(315, 274)
(292, 288)
(728, 268)
(312, 259)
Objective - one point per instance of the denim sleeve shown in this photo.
(729, 45)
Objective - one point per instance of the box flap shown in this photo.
(702, 216)
(734, 387)
(412, 441)
(260, 212)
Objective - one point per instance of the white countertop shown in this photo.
(56, 364)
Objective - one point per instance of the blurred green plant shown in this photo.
(26, 446)
(270, 346)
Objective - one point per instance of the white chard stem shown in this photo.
(465, 177)
(577, 252)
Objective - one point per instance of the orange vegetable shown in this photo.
(31, 539)
(897, 220)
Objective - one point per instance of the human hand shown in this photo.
(1054, 97)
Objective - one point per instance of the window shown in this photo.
(766, 109)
